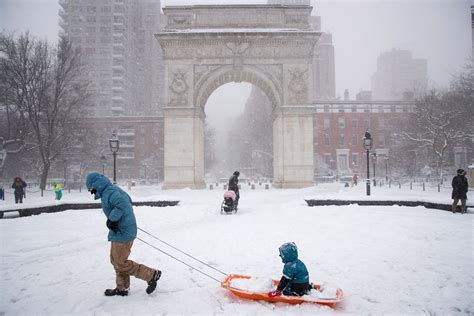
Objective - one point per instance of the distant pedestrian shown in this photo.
(58, 192)
(460, 188)
(234, 185)
(354, 179)
(19, 185)
(117, 207)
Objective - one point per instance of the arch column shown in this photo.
(293, 148)
(184, 148)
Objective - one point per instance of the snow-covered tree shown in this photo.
(439, 121)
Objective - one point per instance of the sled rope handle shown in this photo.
(171, 256)
(182, 252)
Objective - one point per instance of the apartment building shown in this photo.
(399, 76)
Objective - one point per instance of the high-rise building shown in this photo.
(324, 77)
(399, 75)
(121, 57)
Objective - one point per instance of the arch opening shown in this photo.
(238, 133)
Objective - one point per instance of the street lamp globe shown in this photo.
(367, 141)
(114, 144)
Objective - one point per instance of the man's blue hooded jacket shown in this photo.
(117, 206)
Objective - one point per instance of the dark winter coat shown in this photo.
(117, 207)
(234, 184)
(460, 187)
(19, 185)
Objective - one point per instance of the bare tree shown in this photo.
(46, 91)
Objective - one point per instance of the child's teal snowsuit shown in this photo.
(294, 271)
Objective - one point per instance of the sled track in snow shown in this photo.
(439, 206)
(77, 206)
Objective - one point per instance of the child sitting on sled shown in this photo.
(295, 279)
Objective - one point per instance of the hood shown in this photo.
(98, 182)
(288, 252)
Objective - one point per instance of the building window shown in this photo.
(354, 140)
(327, 122)
(366, 124)
(366, 109)
(342, 123)
(392, 108)
(381, 122)
(327, 140)
(355, 159)
(341, 108)
(381, 138)
(354, 108)
(354, 124)
(326, 109)
(341, 140)
(327, 159)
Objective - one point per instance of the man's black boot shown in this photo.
(113, 292)
(152, 283)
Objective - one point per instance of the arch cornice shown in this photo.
(267, 77)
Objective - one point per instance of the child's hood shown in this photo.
(288, 252)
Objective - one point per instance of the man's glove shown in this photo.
(113, 226)
(274, 293)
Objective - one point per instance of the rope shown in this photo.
(171, 256)
(183, 252)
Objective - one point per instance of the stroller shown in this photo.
(229, 204)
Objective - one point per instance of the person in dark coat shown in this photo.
(234, 185)
(117, 207)
(19, 185)
(460, 188)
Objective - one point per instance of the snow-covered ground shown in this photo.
(387, 259)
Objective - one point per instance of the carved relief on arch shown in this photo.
(178, 88)
(298, 86)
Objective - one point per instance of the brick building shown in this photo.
(339, 127)
(141, 146)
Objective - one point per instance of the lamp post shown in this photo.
(374, 162)
(367, 141)
(114, 144)
(386, 168)
(104, 159)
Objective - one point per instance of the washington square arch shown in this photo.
(207, 46)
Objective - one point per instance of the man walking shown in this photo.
(117, 207)
(460, 188)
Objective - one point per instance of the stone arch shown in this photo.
(214, 79)
(206, 46)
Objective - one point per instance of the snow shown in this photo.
(386, 259)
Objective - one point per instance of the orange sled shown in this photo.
(227, 284)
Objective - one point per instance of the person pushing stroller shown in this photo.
(234, 186)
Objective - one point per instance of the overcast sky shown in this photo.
(438, 30)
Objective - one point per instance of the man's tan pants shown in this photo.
(124, 268)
